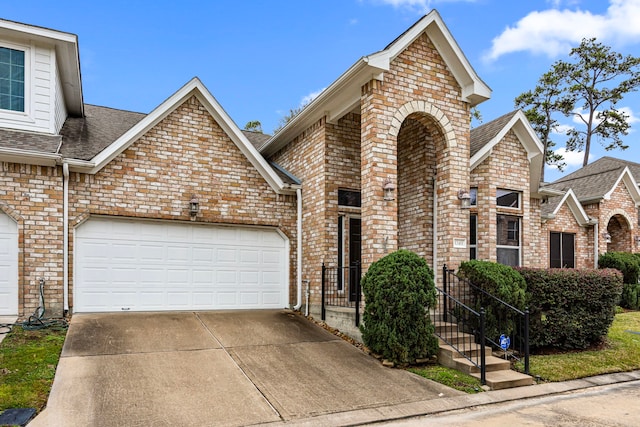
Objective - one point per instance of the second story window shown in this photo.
(507, 198)
(11, 79)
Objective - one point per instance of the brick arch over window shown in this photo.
(621, 213)
(424, 109)
(619, 228)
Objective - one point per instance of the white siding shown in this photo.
(60, 113)
(41, 88)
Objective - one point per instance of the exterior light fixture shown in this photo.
(637, 240)
(465, 199)
(389, 190)
(194, 206)
(607, 237)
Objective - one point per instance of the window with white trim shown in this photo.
(507, 198)
(12, 73)
(508, 243)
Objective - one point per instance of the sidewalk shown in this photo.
(438, 406)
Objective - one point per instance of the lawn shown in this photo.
(449, 377)
(28, 361)
(619, 353)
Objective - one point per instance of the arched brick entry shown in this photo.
(421, 143)
(619, 228)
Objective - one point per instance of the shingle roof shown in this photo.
(31, 141)
(85, 137)
(596, 179)
(257, 139)
(483, 134)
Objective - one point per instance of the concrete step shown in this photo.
(492, 364)
(456, 338)
(445, 327)
(471, 350)
(499, 380)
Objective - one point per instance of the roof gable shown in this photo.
(192, 88)
(598, 180)
(486, 137)
(574, 206)
(343, 95)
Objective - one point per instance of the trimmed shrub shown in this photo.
(627, 263)
(629, 298)
(502, 282)
(399, 291)
(570, 309)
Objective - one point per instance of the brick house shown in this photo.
(179, 209)
(592, 211)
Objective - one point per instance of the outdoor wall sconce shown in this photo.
(607, 237)
(194, 206)
(389, 190)
(637, 240)
(465, 199)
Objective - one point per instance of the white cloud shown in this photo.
(310, 97)
(553, 32)
(571, 158)
(562, 129)
(422, 6)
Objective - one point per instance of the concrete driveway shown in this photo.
(216, 368)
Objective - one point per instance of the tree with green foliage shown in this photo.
(589, 88)
(399, 291)
(539, 105)
(253, 126)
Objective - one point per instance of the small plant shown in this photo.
(399, 291)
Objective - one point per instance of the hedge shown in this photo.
(629, 266)
(399, 291)
(570, 309)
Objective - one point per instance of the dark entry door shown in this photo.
(355, 247)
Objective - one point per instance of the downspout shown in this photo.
(299, 252)
(65, 237)
(596, 243)
(435, 228)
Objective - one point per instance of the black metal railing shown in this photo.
(461, 327)
(506, 328)
(341, 288)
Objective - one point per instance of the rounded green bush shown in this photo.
(399, 291)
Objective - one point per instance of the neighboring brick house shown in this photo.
(592, 211)
(179, 209)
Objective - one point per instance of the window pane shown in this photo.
(555, 258)
(472, 253)
(567, 250)
(508, 256)
(17, 57)
(508, 230)
(349, 198)
(17, 73)
(473, 229)
(11, 79)
(473, 192)
(17, 104)
(5, 71)
(5, 55)
(507, 198)
(5, 101)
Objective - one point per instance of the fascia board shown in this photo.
(16, 155)
(193, 87)
(627, 178)
(349, 82)
(66, 46)
(575, 207)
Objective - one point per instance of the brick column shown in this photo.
(378, 154)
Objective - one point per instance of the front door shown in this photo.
(354, 256)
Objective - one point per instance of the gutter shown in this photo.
(65, 237)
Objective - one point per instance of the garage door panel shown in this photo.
(142, 265)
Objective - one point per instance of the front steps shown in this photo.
(498, 371)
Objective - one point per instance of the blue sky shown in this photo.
(261, 58)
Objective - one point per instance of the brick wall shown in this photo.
(506, 168)
(418, 84)
(186, 153)
(565, 222)
(32, 196)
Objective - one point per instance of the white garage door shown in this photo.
(8, 265)
(135, 265)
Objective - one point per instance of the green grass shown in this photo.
(28, 361)
(620, 353)
(449, 377)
